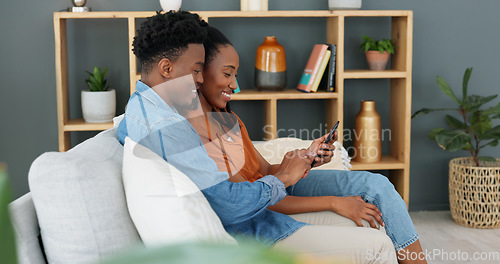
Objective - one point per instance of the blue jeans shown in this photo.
(373, 188)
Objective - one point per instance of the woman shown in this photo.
(355, 195)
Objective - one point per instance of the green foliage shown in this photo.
(474, 125)
(204, 253)
(96, 80)
(7, 242)
(380, 45)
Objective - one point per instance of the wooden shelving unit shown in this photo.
(397, 161)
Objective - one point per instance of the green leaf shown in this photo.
(474, 102)
(97, 73)
(454, 123)
(105, 71)
(493, 133)
(467, 146)
(496, 116)
(480, 124)
(443, 85)
(492, 110)
(465, 84)
(429, 110)
(432, 135)
(492, 143)
(452, 140)
(7, 242)
(489, 159)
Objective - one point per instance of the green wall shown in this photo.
(449, 36)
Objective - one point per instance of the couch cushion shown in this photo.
(80, 202)
(165, 205)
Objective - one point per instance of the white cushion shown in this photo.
(165, 205)
(80, 202)
(274, 150)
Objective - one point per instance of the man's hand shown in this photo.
(325, 151)
(354, 208)
(295, 166)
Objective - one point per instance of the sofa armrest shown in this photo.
(26, 230)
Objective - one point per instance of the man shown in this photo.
(170, 47)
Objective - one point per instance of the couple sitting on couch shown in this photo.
(189, 124)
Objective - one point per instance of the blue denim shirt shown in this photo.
(241, 207)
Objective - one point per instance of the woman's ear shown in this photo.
(166, 68)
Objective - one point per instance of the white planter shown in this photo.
(344, 4)
(98, 107)
(168, 5)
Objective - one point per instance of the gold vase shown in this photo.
(367, 134)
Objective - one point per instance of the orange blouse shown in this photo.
(234, 151)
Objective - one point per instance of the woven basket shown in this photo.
(475, 193)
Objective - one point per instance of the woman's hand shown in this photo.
(325, 151)
(354, 208)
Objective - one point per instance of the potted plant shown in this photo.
(377, 52)
(474, 182)
(98, 102)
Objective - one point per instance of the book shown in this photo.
(331, 73)
(328, 81)
(312, 67)
(321, 71)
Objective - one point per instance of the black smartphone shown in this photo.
(330, 136)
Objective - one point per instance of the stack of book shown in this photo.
(321, 60)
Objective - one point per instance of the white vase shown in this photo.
(344, 4)
(168, 5)
(98, 107)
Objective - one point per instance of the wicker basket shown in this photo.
(475, 193)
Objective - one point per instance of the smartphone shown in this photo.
(328, 139)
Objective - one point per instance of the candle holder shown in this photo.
(254, 5)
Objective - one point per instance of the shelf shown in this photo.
(216, 14)
(400, 80)
(81, 125)
(367, 74)
(387, 163)
(280, 95)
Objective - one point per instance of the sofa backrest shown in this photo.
(80, 202)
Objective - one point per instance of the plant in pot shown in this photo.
(377, 52)
(98, 102)
(474, 182)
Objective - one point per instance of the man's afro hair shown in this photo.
(167, 35)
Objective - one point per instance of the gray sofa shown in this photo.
(76, 211)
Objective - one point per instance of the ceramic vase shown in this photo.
(367, 136)
(344, 4)
(270, 66)
(98, 107)
(377, 61)
(168, 5)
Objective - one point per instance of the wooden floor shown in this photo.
(446, 242)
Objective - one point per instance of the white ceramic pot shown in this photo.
(168, 5)
(344, 4)
(98, 107)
